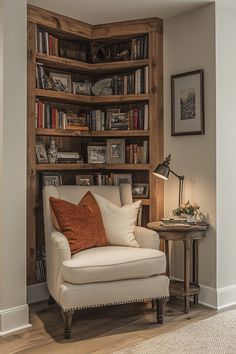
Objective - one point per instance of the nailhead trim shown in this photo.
(113, 303)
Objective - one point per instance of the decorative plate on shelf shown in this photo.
(102, 87)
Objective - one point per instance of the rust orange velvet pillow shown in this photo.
(82, 224)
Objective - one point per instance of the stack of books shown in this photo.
(69, 157)
(137, 154)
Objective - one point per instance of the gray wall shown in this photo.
(189, 44)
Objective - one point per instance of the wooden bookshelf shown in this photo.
(68, 64)
(92, 100)
(70, 140)
(92, 166)
(105, 133)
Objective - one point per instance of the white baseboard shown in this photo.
(208, 296)
(226, 297)
(37, 292)
(219, 299)
(14, 319)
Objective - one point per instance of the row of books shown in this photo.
(47, 43)
(51, 117)
(139, 48)
(133, 83)
(112, 119)
(135, 49)
(136, 153)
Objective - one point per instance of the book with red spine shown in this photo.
(135, 118)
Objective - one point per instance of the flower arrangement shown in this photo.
(189, 208)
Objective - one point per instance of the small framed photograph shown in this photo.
(51, 179)
(140, 190)
(110, 111)
(41, 153)
(61, 82)
(81, 88)
(116, 151)
(84, 180)
(96, 153)
(187, 103)
(117, 121)
(118, 178)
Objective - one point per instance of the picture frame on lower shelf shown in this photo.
(41, 153)
(97, 153)
(140, 190)
(61, 82)
(84, 180)
(115, 150)
(118, 178)
(51, 179)
(187, 103)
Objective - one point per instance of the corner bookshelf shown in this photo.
(67, 29)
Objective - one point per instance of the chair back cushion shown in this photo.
(119, 222)
(82, 224)
(119, 195)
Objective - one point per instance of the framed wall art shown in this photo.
(187, 103)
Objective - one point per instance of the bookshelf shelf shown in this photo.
(105, 133)
(47, 108)
(92, 100)
(91, 166)
(97, 68)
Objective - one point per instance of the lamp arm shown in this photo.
(175, 174)
(181, 186)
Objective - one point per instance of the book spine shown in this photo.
(146, 78)
(146, 117)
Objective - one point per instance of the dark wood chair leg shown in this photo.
(51, 301)
(67, 323)
(160, 309)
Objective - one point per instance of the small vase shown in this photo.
(52, 152)
(191, 219)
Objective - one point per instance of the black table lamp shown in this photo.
(163, 170)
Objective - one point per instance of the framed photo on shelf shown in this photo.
(140, 190)
(117, 121)
(118, 178)
(51, 179)
(81, 88)
(41, 153)
(187, 103)
(61, 82)
(110, 111)
(96, 153)
(84, 180)
(116, 151)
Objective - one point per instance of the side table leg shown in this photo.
(195, 267)
(187, 250)
(167, 258)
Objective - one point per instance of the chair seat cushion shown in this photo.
(113, 263)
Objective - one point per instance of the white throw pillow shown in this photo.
(119, 223)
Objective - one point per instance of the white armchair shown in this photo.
(102, 275)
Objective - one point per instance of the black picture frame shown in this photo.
(187, 103)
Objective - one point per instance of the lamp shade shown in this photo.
(163, 170)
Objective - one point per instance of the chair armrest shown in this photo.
(147, 238)
(61, 244)
(57, 251)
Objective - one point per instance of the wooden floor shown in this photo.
(101, 330)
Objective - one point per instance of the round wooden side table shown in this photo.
(189, 234)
